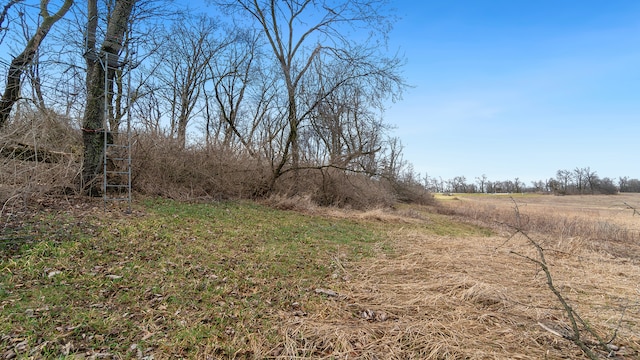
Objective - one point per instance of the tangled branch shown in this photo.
(577, 323)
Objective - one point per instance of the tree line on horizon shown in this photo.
(579, 181)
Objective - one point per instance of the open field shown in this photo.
(609, 208)
(227, 280)
(601, 222)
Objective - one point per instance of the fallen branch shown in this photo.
(574, 318)
(27, 152)
(635, 211)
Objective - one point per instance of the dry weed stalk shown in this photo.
(630, 207)
(578, 324)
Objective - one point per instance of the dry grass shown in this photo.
(22, 181)
(602, 222)
(468, 297)
(465, 299)
(593, 208)
(232, 280)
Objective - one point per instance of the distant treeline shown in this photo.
(566, 182)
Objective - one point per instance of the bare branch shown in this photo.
(5, 11)
(635, 211)
(20, 63)
(577, 323)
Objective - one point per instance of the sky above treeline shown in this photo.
(519, 88)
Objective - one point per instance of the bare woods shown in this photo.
(251, 100)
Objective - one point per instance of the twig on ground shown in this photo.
(635, 210)
(574, 318)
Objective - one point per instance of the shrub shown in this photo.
(39, 153)
(161, 167)
(42, 154)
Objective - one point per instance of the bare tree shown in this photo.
(183, 68)
(564, 179)
(538, 185)
(21, 63)
(148, 110)
(137, 85)
(392, 163)
(482, 181)
(591, 179)
(298, 33)
(517, 185)
(459, 184)
(344, 132)
(235, 70)
(3, 17)
(632, 185)
(578, 175)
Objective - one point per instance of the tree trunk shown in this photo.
(92, 131)
(94, 116)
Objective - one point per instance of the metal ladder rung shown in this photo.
(120, 151)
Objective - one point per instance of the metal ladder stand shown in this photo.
(116, 182)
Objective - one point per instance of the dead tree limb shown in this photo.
(577, 323)
(26, 152)
(635, 211)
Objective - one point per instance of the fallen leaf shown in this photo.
(329, 293)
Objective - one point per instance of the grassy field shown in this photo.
(227, 280)
(606, 208)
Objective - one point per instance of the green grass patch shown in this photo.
(453, 196)
(447, 226)
(440, 224)
(179, 281)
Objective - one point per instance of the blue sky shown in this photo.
(519, 88)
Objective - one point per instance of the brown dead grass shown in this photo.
(601, 222)
(594, 208)
(23, 176)
(437, 297)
